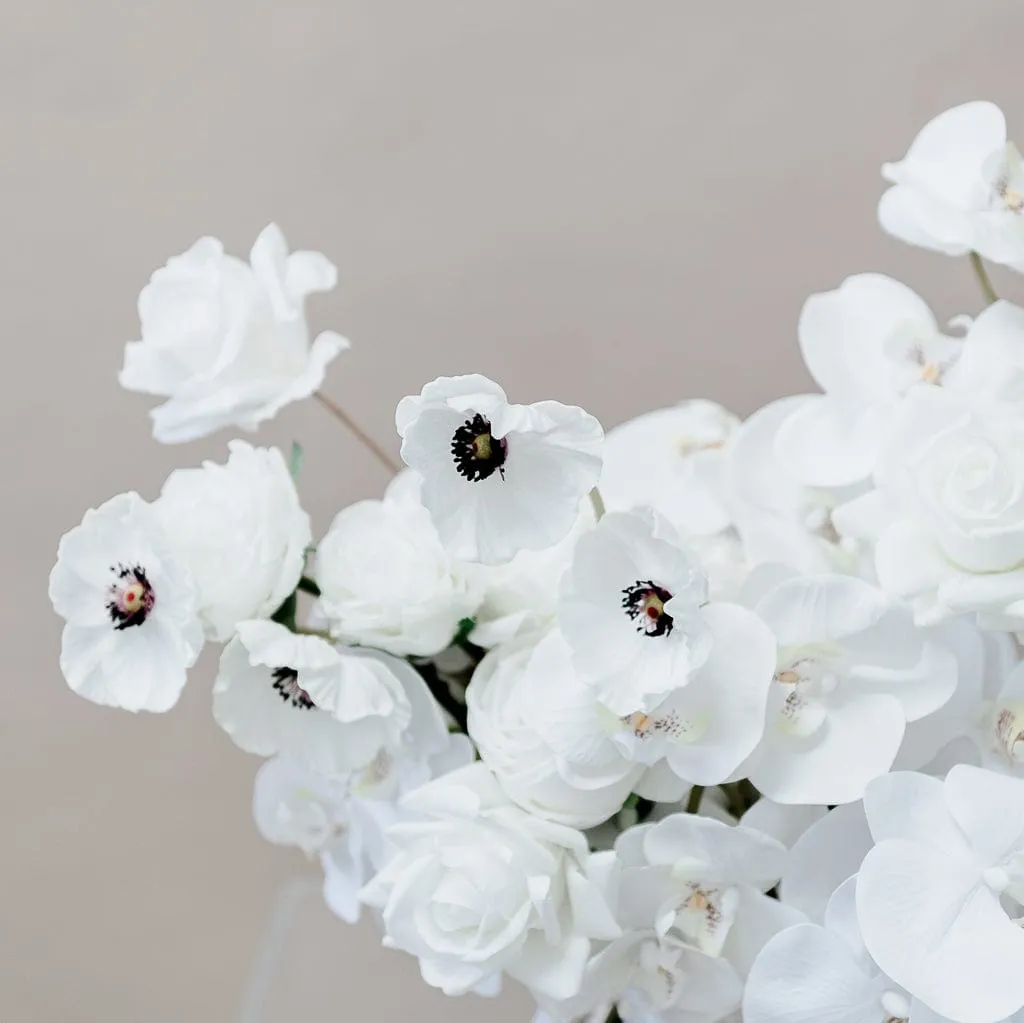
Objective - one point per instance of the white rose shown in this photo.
(226, 342)
(950, 508)
(543, 733)
(240, 530)
(386, 580)
(483, 888)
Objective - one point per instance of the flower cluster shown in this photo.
(699, 718)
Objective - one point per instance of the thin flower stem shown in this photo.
(598, 502)
(358, 432)
(978, 266)
(696, 795)
(322, 633)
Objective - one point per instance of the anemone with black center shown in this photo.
(644, 603)
(131, 596)
(477, 453)
(286, 682)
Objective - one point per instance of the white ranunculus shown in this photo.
(333, 710)
(940, 896)
(226, 342)
(545, 737)
(241, 531)
(960, 188)
(484, 888)
(852, 670)
(498, 478)
(130, 606)
(387, 581)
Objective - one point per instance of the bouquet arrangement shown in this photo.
(697, 718)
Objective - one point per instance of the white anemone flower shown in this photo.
(498, 478)
(130, 605)
(226, 342)
(960, 188)
(332, 710)
(852, 670)
(635, 612)
(939, 897)
(242, 532)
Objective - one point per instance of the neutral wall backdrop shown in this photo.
(618, 204)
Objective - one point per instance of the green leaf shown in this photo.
(295, 460)
(285, 614)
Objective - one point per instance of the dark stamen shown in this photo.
(477, 453)
(644, 602)
(286, 682)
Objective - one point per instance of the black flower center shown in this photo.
(286, 682)
(131, 596)
(644, 602)
(476, 452)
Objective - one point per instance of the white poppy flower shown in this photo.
(226, 342)
(498, 478)
(960, 188)
(484, 888)
(939, 897)
(865, 344)
(241, 531)
(130, 605)
(671, 460)
(332, 710)
(545, 737)
(387, 581)
(779, 518)
(809, 973)
(852, 670)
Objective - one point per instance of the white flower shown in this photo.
(865, 344)
(950, 507)
(241, 531)
(484, 887)
(387, 581)
(809, 972)
(960, 188)
(939, 896)
(332, 710)
(852, 670)
(634, 610)
(671, 460)
(779, 519)
(132, 629)
(688, 895)
(543, 734)
(498, 478)
(226, 342)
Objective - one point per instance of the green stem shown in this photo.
(358, 432)
(696, 795)
(978, 266)
(598, 502)
(313, 632)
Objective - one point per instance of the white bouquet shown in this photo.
(696, 719)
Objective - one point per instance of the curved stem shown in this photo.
(358, 432)
(322, 633)
(978, 266)
(598, 502)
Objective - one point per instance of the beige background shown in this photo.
(614, 203)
